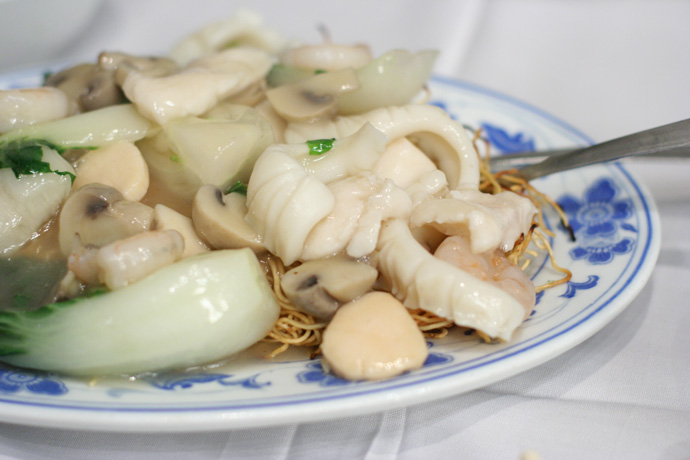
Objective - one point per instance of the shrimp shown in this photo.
(491, 266)
(130, 259)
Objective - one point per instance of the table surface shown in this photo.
(608, 68)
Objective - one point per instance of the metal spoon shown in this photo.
(672, 140)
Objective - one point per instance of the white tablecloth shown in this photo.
(609, 68)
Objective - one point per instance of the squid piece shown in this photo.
(348, 157)
(362, 203)
(197, 87)
(441, 138)
(245, 28)
(24, 107)
(284, 202)
(421, 280)
(490, 221)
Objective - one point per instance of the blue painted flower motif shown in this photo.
(16, 381)
(596, 221)
(500, 139)
(600, 213)
(602, 253)
(173, 382)
(315, 373)
(573, 287)
(435, 358)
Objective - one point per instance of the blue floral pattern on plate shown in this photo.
(596, 221)
(572, 287)
(501, 139)
(14, 381)
(185, 381)
(315, 373)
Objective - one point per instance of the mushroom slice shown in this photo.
(312, 98)
(219, 220)
(119, 165)
(319, 287)
(441, 138)
(421, 280)
(100, 215)
(28, 106)
(165, 218)
(373, 338)
(88, 86)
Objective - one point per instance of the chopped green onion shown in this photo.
(237, 187)
(320, 146)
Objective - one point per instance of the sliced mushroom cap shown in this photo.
(219, 220)
(100, 215)
(319, 287)
(312, 98)
(89, 87)
(93, 86)
(119, 165)
(373, 338)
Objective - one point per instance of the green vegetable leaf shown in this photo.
(25, 157)
(46, 75)
(320, 146)
(237, 187)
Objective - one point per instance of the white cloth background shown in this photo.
(608, 68)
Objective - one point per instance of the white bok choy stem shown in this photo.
(193, 312)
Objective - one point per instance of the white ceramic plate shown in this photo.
(618, 236)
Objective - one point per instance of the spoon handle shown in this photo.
(662, 140)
